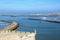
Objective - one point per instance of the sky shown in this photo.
(17, 5)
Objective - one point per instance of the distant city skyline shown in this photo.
(17, 5)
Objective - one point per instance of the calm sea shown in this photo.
(45, 30)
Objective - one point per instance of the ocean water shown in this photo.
(45, 30)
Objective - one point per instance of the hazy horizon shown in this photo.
(31, 5)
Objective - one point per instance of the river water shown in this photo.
(45, 30)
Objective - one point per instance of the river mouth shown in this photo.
(45, 30)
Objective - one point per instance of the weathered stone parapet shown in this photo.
(14, 35)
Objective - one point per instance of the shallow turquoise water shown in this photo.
(45, 30)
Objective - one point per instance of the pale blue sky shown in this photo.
(29, 5)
